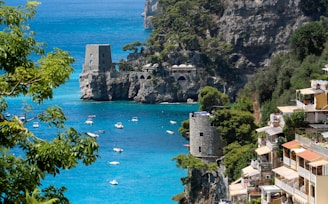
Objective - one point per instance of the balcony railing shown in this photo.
(304, 172)
(291, 188)
(287, 161)
(284, 186)
(318, 147)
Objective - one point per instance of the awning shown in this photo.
(318, 163)
(309, 155)
(274, 131)
(324, 135)
(270, 130)
(250, 171)
(237, 189)
(270, 188)
(286, 172)
(262, 129)
(291, 144)
(263, 150)
(308, 91)
(288, 109)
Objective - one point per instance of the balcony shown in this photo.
(291, 188)
(285, 185)
(303, 172)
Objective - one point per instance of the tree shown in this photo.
(243, 103)
(19, 75)
(209, 97)
(293, 121)
(308, 39)
(235, 125)
(237, 157)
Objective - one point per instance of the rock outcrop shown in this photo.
(205, 187)
(101, 81)
(257, 29)
(149, 11)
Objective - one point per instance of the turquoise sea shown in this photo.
(146, 173)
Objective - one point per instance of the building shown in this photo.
(259, 172)
(313, 101)
(303, 177)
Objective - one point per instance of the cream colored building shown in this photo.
(313, 101)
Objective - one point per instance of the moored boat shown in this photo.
(117, 149)
(119, 125)
(170, 132)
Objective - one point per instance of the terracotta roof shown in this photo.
(291, 144)
(309, 155)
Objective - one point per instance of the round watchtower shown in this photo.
(205, 141)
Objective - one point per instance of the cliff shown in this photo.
(101, 81)
(257, 29)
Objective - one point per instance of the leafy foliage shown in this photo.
(209, 97)
(22, 173)
(308, 39)
(235, 125)
(237, 157)
(188, 161)
(293, 121)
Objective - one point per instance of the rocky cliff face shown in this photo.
(149, 11)
(205, 187)
(256, 28)
(141, 86)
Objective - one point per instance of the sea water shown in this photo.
(146, 173)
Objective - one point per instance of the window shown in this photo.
(201, 134)
(200, 149)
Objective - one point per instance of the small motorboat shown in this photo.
(89, 122)
(36, 124)
(91, 116)
(134, 119)
(113, 182)
(170, 132)
(117, 149)
(90, 134)
(119, 125)
(114, 162)
(173, 122)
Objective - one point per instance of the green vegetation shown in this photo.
(21, 174)
(209, 97)
(277, 84)
(237, 157)
(189, 161)
(235, 126)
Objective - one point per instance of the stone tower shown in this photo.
(205, 142)
(96, 71)
(98, 57)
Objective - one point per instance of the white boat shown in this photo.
(91, 116)
(113, 182)
(119, 125)
(89, 122)
(114, 162)
(173, 122)
(170, 132)
(90, 134)
(134, 119)
(22, 118)
(36, 124)
(117, 149)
